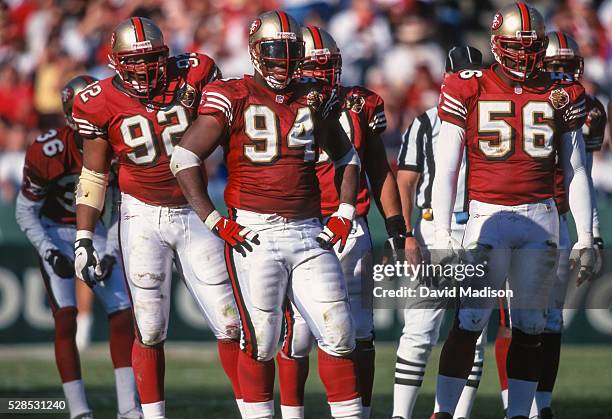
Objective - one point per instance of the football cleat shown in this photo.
(139, 55)
(69, 92)
(563, 55)
(322, 59)
(276, 48)
(518, 40)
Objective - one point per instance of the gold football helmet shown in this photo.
(518, 40)
(563, 55)
(69, 91)
(139, 55)
(276, 48)
(322, 56)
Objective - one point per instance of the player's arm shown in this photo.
(198, 142)
(334, 141)
(577, 184)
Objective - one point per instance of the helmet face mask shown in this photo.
(323, 60)
(139, 57)
(518, 41)
(276, 48)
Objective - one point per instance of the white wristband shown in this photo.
(212, 219)
(346, 211)
(84, 234)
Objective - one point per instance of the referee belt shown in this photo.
(459, 217)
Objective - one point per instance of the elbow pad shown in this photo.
(183, 159)
(91, 190)
(351, 157)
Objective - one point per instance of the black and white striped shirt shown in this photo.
(417, 154)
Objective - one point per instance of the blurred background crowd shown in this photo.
(394, 47)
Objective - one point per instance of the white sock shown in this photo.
(504, 397)
(347, 409)
(156, 410)
(83, 333)
(520, 397)
(448, 392)
(543, 399)
(468, 395)
(127, 395)
(240, 404)
(365, 412)
(408, 379)
(259, 410)
(292, 412)
(534, 410)
(75, 397)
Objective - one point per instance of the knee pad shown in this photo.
(65, 322)
(338, 336)
(151, 336)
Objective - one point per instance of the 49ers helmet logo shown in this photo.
(67, 94)
(497, 21)
(255, 26)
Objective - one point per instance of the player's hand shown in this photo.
(61, 264)
(237, 236)
(446, 249)
(413, 251)
(583, 258)
(338, 228)
(86, 257)
(106, 265)
(600, 262)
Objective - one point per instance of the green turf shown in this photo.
(197, 388)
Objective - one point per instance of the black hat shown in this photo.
(463, 58)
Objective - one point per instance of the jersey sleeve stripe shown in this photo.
(218, 102)
(452, 99)
(459, 109)
(449, 110)
(222, 109)
(220, 96)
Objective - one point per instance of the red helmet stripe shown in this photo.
(138, 29)
(525, 18)
(562, 39)
(316, 37)
(284, 21)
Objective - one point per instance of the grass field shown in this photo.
(197, 388)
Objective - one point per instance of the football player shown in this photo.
(270, 125)
(47, 215)
(512, 118)
(138, 116)
(562, 57)
(423, 317)
(363, 118)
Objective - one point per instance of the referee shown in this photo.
(422, 319)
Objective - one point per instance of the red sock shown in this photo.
(228, 353)
(256, 378)
(148, 363)
(121, 331)
(338, 376)
(292, 375)
(364, 362)
(66, 353)
(502, 345)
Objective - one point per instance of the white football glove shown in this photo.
(86, 257)
(583, 258)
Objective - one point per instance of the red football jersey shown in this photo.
(143, 134)
(270, 146)
(362, 116)
(52, 167)
(512, 133)
(593, 132)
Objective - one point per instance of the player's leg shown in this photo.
(551, 338)
(62, 298)
(483, 236)
(201, 263)
(502, 344)
(147, 262)
(468, 395)
(532, 272)
(318, 290)
(114, 297)
(293, 362)
(84, 297)
(259, 282)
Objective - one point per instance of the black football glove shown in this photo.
(85, 257)
(600, 261)
(61, 264)
(106, 265)
(396, 228)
